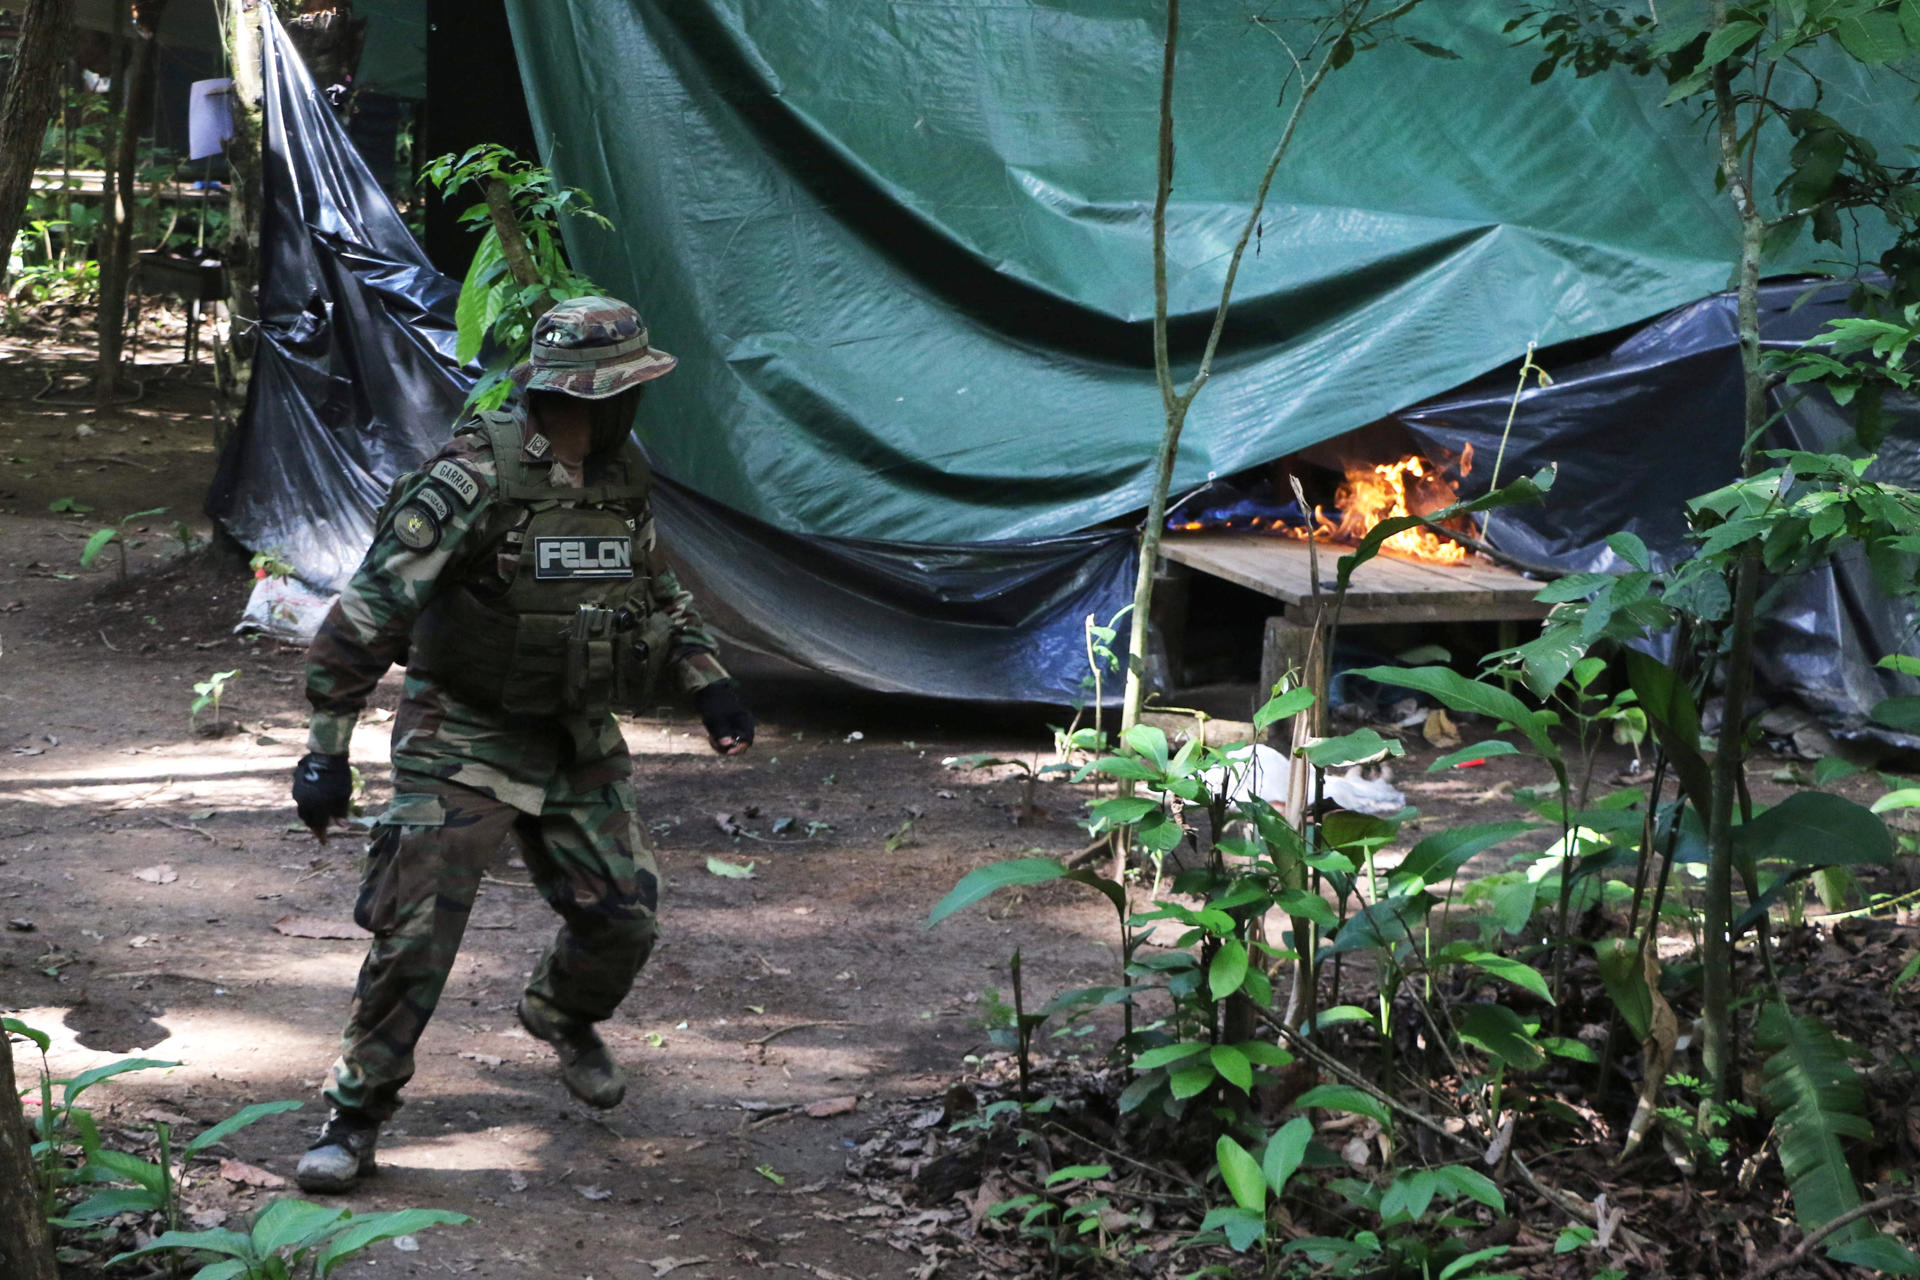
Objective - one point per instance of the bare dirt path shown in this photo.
(146, 866)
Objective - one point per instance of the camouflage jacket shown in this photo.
(513, 758)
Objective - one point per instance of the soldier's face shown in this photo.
(612, 419)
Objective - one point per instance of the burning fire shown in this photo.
(1376, 492)
(1411, 486)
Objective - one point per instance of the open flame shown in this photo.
(1368, 494)
(1410, 486)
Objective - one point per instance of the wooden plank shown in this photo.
(1387, 588)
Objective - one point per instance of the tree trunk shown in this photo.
(233, 360)
(116, 255)
(25, 1253)
(33, 92)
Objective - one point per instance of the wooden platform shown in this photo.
(1387, 588)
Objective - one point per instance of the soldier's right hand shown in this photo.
(322, 790)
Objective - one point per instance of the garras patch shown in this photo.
(415, 527)
(456, 478)
(583, 556)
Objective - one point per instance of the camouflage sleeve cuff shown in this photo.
(330, 733)
(698, 669)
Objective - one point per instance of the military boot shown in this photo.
(342, 1155)
(586, 1067)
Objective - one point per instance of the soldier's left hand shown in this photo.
(729, 723)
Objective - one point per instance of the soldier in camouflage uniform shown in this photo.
(515, 573)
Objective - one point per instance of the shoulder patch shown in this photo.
(434, 499)
(415, 527)
(537, 445)
(456, 478)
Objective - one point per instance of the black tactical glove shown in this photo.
(322, 788)
(729, 723)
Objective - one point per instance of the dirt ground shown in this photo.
(154, 890)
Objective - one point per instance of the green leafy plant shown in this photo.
(270, 564)
(290, 1238)
(208, 693)
(115, 535)
(520, 268)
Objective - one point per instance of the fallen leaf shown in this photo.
(730, 870)
(516, 1180)
(20, 924)
(406, 1244)
(201, 816)
(157, 1116)
(29, 751)
(161, 874)
(298, 926)
(594, 1193)
(663, 1265)
(208, 1219)
(766, 1171)
(1439, 730)
(249, 1175)
(827, 1107)
(484, 1059)
(140, 940)
(727, 825)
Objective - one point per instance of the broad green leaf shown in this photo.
(1126, 767)
(1342, 1097)
(1228, 970)
(1877, 1252)
(238, 1120)
(1242, 1227)
(1724, 42)
(95, 545)
(1817, 1100)
(1472, 697)
(229, 1243)
(1352, 748)
(1904, 664)
(128, 1168)
(1630, 548)
(979, 883)
(293, 1224)
(372, 1228)
(1285, 1150)
(1232, 1066)
(1670, 710)
(1408, 1196)
(87, 1079)
(13, 1026)
(1262, 1054)
(1343, 1013)
(1168, 1054)
(1498, 1031)
(1076, 1172)
(1282, 707)
(1124, 809)
(1873, 36)
(1517, 972)
(1440, 856)
(1623, 974)
(1159, 833)
(1474, 1185)
(1188, 1081)
(229, 1269)
(729, 870)
(108, 1203)
(1307, 906)
(1574, 586)
(1902, 713)
(1816, 829)
(1905, 798)
(1487, 750)
(1241, 1172)
(1149, 741)
(1381, 924)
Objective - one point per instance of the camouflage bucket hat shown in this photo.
(592, 348)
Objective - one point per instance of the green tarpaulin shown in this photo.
(903, 249)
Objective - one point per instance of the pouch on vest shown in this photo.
(640, 661)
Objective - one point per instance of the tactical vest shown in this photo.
(575, 632)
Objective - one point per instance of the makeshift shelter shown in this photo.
(903, 254)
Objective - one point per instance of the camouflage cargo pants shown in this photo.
(588, 857)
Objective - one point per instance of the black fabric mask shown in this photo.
(613, 420)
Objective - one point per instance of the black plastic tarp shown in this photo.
(1654, 421)
(355, 381)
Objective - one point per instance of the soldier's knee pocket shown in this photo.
(396, 883)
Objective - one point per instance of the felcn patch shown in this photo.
(415, 528)
(592, 556)
(456, 478)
